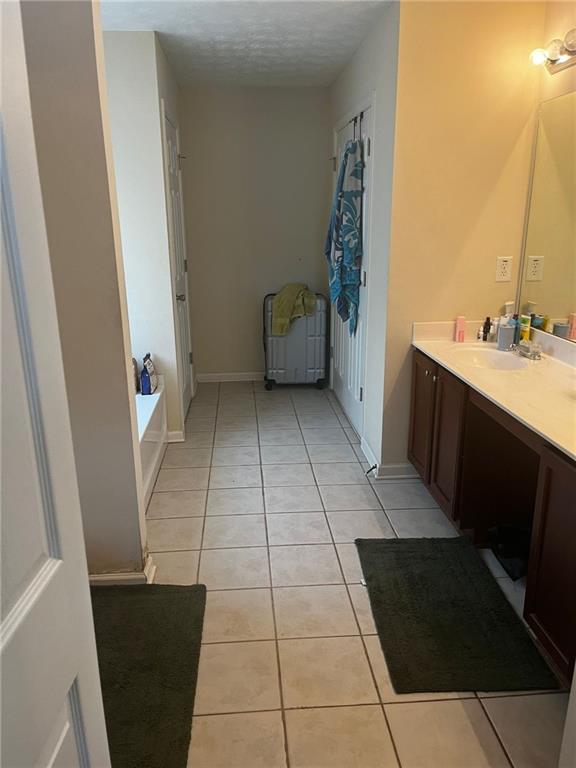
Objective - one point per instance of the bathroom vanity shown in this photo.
(493, 437)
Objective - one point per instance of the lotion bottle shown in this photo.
(460, 329)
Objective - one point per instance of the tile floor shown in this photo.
(262, 503)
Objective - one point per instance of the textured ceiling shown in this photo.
(264, 42)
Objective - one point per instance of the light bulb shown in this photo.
(554, 49)
(538, 56)
(570, 40)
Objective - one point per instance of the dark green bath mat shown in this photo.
(148, 639)
(443, 622)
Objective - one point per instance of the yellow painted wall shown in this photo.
(466, 101)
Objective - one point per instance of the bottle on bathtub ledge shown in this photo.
(460, 329)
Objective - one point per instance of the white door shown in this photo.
(51, 701)
(348, 352)
(178, 258)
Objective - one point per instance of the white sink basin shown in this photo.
(487, 357)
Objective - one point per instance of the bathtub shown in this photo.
(152, 434)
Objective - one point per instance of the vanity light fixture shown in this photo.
(558, 54)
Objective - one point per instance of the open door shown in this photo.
(349, 352)
(51, 702)
(175, 206)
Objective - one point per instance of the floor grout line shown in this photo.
(277, 647)
(495, 731)
(206, 498)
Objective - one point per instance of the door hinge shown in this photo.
(185, 265)
(368, 146)
(361, 394)
(190, 358)
(364, 278)
(180, 158)
(333, 163)
(331, 353)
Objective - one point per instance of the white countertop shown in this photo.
(541, 395)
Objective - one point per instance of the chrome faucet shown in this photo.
(530, 349)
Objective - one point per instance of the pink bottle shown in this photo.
(460, 328)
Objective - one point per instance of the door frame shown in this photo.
(368, 102)
(166, 115)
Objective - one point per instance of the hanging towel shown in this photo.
(294, 300)
(343, 247)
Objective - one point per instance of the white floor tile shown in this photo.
(301, 498)
(276, 475)
(235, 501)
(235, 477)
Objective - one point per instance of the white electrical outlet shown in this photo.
(534, 269)
(503, 269)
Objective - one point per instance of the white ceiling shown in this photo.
(263, 42)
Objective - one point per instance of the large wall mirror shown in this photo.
(548, 278)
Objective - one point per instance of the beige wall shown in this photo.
(65, 70)
(137, 77)
(371, 76)
(256, 184)
(464, 130)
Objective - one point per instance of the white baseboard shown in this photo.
(246, 376)
(149, 569)
(405, 471)
(368, 452)
(175, 436)
(145, 576)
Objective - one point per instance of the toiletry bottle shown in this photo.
(516, 323)
(479, 333)
(494, 329)
(505, 335)
(486, 329)
(572, 326)
(460, 328)
(509, 308)
(525, 327)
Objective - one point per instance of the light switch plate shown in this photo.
(503, 269)
(534, 269)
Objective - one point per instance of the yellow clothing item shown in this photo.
(294, 300)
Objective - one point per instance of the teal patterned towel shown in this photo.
(343, 247)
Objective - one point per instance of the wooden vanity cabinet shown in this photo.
(449, 409)
(485, 468)
(434, 444)
(424, 372)
(550, 607)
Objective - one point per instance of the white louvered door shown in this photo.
(348, 352)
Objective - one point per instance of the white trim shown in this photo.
(175, 436)
(245, 376)
(369, 453)
(145, 576)
(149, 569)
(404, 471)
(110, 579)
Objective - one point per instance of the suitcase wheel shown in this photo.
(320, 384)
(269, 384)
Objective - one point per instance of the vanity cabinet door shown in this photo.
(550, 607)
(450, 403)
(424, 372)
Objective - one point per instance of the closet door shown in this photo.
(349, 352)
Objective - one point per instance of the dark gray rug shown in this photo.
(443, 622)
(148, 639)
